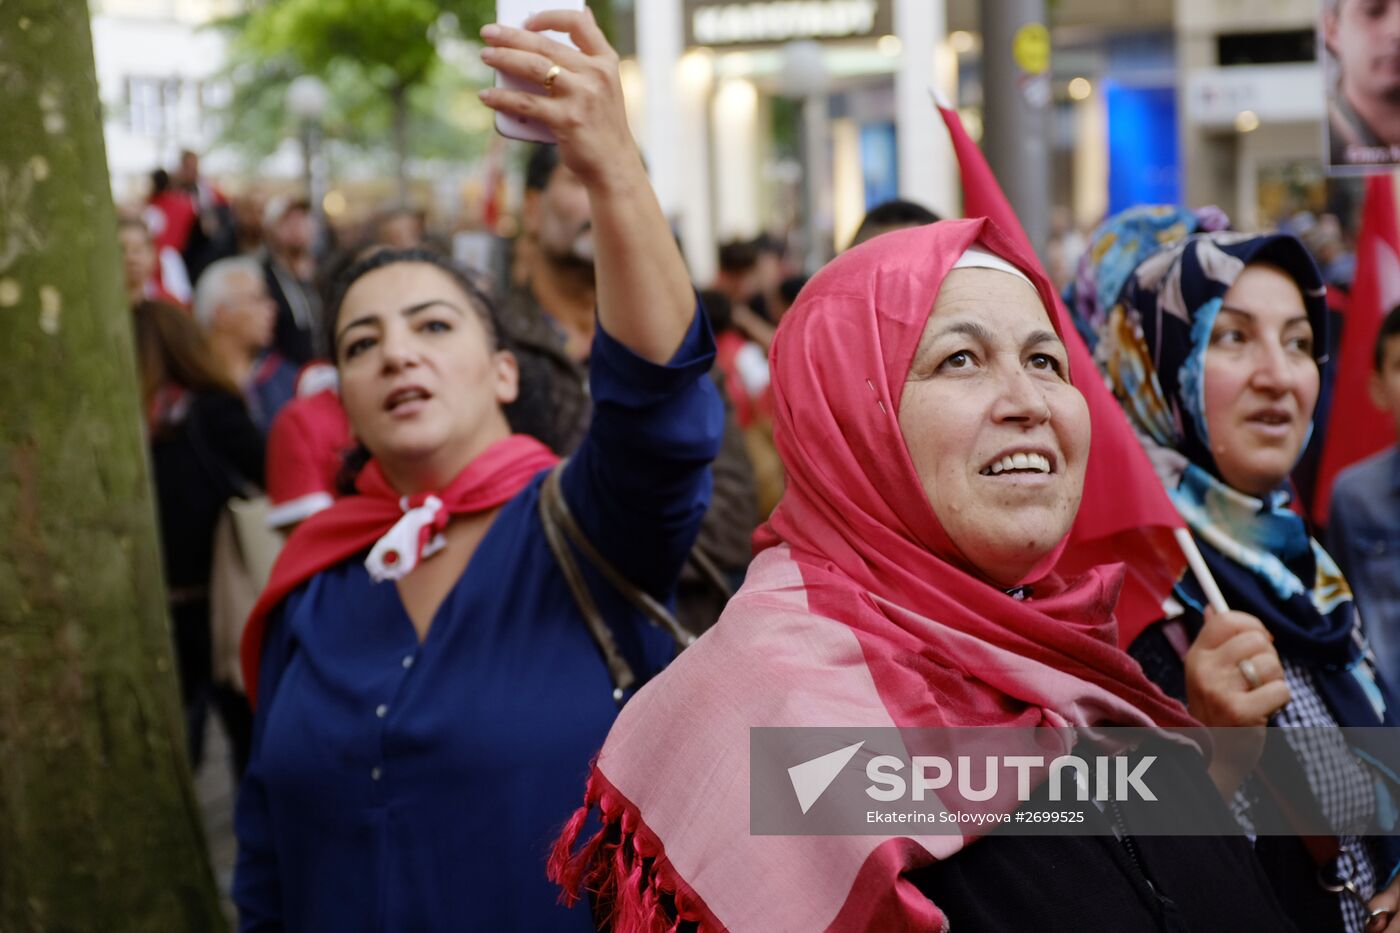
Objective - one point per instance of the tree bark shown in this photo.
(99, 826)
(398, 95)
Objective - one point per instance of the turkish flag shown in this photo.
(1125, 515)
(494, 186)
(1356, 428)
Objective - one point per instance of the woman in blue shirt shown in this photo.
(428, 693)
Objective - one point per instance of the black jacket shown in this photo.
(197, 465)
(1072, 883)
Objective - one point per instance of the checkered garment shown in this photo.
(1343, 785)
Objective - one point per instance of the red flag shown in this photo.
(494, 184)
(1125, 515)
(1356, 427)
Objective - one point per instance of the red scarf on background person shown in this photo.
(353, 524)
(858, 611)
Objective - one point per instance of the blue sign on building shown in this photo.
(879, 162)
(1144, 164)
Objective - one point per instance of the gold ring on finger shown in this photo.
(549, 76)
(1250, 672)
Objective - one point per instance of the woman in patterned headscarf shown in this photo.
(1211, 341)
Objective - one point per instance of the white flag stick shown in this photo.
(1199, 568)
(939, 100)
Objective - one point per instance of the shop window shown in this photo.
(1267, 48)
(151, 104)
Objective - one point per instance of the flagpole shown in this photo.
(1199, 568)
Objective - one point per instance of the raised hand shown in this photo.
(583, 106)
(645, 298)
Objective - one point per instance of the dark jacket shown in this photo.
(298, 313)
(1285, 859)
(193, 463)
(1079, 882)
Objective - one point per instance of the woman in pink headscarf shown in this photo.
(935, 447)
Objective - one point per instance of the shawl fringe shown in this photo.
(624, 867)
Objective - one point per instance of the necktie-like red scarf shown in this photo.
(401, 529)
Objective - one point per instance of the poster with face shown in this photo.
(1359, 46)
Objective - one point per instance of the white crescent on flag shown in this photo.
(1387, 275)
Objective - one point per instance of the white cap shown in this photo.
(978, 258)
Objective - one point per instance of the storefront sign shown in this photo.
(1275, 94)
(773, 22)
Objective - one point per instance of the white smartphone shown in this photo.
(515, 13)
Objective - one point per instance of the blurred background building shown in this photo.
(795, 116)
(159, 76)
(1251, 88)
(731, 124)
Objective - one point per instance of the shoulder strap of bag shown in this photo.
(560, 531)
(705, 565)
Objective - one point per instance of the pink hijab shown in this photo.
(858, 611)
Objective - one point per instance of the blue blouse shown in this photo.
(399, 786)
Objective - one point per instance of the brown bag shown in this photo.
(245, 549)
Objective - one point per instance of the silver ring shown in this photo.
(549, 76)
(1251, 674)
(1379, 912)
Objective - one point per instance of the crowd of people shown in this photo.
(563, 531)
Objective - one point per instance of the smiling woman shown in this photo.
(935, 445)
(996, 432)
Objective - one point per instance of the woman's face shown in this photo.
(419, 376)
(996, 432)
(138, 258)
(1261, 381)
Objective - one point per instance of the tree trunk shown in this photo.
(99, 826)
(398, 94)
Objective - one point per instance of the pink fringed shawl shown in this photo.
(858, 611)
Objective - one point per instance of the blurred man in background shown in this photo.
(289, 271)
(891, 216)
(1363, 529)
(399, 227)
(211, 234)
(547, 318)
